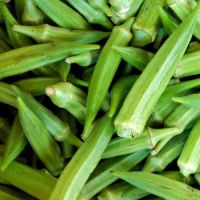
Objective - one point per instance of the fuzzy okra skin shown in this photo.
(48, 33)
(104, 72)
(159, 185)
(24, 59)
(84, 161)
(62, 14)
(148, 88)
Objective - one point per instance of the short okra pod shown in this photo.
(188, 161)
(17, 40)
(14, 145)
(62, 14)
(182, 9)
(181, 117)
(147, 23)
(48, 33)
(168, 154)
(84, 161)
(138, 58)
(37, 85)
(57, 128)
(148, 88)
(104, 178)
(159, 185)
(192, 100)
(99, 85)
(147, 140)
(32, 15)
(94, 16)
(48, 151)
(38, 184)
(67, 96)
(119, 91)
(28, 58)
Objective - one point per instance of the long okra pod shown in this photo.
(28, 58)
(99, 85)
(133, 115)
(84, 161)
(62, 14)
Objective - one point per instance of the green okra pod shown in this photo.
(28, 58)
(159, 185)
(138, 58)
(99, 85)
(153, 81)
(104, 178)
(48, 33)
(191, 100)
(62, 14)
(159, 38)
(193, 46)
(93, 15)
(182, 9)
(17, 40)
(3, 35)
(118, 92)
(147, 23)
(34, 182)
(59, 130)
(14, 145)
(63, 70)
(19, 7)
(31, 14)
(4, 46)
(79, 82)
(37, 85)
(147, 140)
(67, 96)
(84, 161)
(188, 161)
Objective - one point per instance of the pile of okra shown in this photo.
(99, 99)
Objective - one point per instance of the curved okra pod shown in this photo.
(38, 184)
(28, 58)
(119, 91)
(147, 140)
(14, 145)
(159, 185)
(59, 130)
(148, 88)
(192, 100)
(37, 85)
(94, 16)
(168, 154)
(147, 23)
(31, 14)
(182, 117)
(104, 72)
(62, 14)
(48, 33)
(188, 161)
(84, 161)
(189, 65)
(138, 58)
(104, 178)
(17, 40)
(67, 96)
(41, 141)
(182, 9)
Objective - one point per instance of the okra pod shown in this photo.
(63, 69)
(31, 14)
(93, 16)
(19, 7)
(159, 185)
(159, 38)
(99, 85)
(62, 14)
(31, 57)
(4, 46)
(148, 88)
(147, 23)
(48, 33)
(15, 144)
(193, 46)
(4, 129)
(84, 161)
